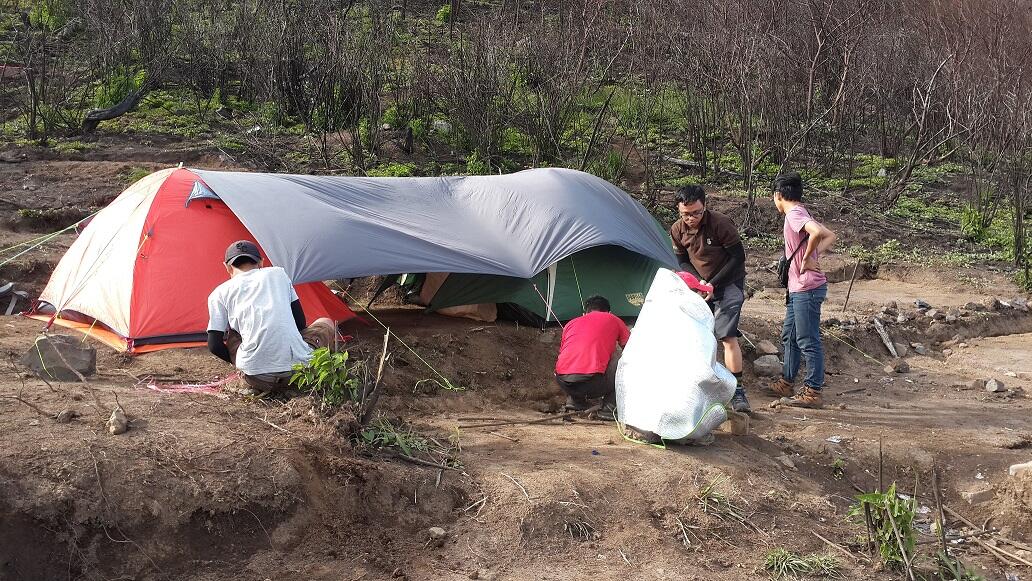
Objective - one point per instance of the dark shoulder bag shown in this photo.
(785, 263)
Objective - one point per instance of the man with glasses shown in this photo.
(707, 245)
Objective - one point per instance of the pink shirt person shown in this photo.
(795, 222)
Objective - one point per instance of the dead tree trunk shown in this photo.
(94, 117)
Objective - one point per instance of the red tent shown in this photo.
(139, 275)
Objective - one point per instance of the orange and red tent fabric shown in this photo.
(139, 275)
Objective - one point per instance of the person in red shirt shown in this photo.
(586, 367)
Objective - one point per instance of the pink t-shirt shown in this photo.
(795, 220)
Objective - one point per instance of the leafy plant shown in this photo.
(783, 564)
(890, 521)
(327, 376)
(443, 14)
(382, 433)
(952, 568)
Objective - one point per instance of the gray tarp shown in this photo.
(325, 227)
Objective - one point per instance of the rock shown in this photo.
(889, 312)
(890, 305)
(992, 303)
(920, 349)
(117, 423)
(832, 322)
(1019, 469)
(785, 461)
(947, 352)
(974, 307)
(962, 345)
(66, 416)
(936, 315)
(994, 386)
(1020, 304)
(978, 494)
(901, 349)
(768, 366)
(484, 575)
(978, 384)
(950, 319)
(900, 319)
(59, 357)
(437, 533)
(922, 305)
(897, 366)
(841, 406)
(765, 347)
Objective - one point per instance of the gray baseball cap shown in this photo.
(242, 248)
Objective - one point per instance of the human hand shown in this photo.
(810, 264)
(706, 296)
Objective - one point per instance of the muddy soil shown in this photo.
(214, 486)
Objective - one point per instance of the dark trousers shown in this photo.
(585, 386)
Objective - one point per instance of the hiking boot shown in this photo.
(739, 402)
(808, 398)
(781, 388)
(607, 413)
(576, 405)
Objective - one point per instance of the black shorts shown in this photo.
(727, 309)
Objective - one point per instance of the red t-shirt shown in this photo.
(588, 343)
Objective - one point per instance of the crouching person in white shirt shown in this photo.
(255, 322)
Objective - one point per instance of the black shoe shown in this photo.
(576, 405)
(739, 402)
(607, 413)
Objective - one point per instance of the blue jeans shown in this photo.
(801, 336)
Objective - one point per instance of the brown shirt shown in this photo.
(706, 247)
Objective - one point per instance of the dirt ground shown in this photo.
(218, 487)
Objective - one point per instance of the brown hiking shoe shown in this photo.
(781, 388)
(808, 398)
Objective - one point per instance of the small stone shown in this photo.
(897, 366)
(950, 319)
(765, 347)
(947, 352)
(900, 319)
(978, 494)
(768, 366)
(995, 386)
(920, 349)
(483, 574)
(66, 416)
(437, 533)
(890, 305)
(921, 304)
(974, 307)
(901, 349)
(117, 423)
(785, 461)
(962, 345)
(1019, 469)
(841, 406)
(889, 312)
(978, 384)
(1020, 304)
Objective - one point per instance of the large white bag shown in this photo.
(668, 381)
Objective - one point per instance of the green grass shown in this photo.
(136, 174)
(783, 564)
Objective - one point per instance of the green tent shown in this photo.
(620, 275)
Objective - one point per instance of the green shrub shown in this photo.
(327, 376)
(393, 170)
(136, 174)
(891, 523)
(443, 14)
(477, 165)
(784, 564)
(382, 433)
(117, 86)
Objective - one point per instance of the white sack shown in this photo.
(668, 381)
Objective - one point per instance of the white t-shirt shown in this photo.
(256, 304)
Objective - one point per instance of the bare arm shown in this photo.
(820, 240)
